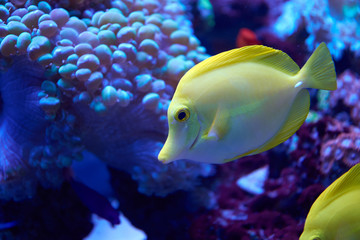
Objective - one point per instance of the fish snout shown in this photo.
(164, 158)
(169, 153)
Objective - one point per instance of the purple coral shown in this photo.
(106, 77)
(107, 58)
(345, 148)
(239, 215)
(279, 211)
(347, 96)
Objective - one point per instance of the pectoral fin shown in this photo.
(220, 125)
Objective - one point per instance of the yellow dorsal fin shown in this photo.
(341, 185)
(296, 117)
(255, 53)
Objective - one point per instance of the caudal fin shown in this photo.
(319, 70)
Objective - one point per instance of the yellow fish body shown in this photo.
(335, 215)
(241, 102)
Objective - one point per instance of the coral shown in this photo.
(14, 133)
(239, 215)
(235, 8)
(257, 15)
(345, 148)
(246, 37)
(329, 21)
(347, 95)
(160, 218)
(107, 58)
(321, 143)
(309, 195)
(32, 149)
(98, 76)
(341, 151)
(105, 76)
(295, 180)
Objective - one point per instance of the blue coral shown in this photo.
(332, 22)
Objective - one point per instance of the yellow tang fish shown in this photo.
(242, 102)
(335, 215)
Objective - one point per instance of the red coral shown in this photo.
(320, 139)
(243, 216)
(280, 211)
(309, 195)
(229, 196)
(202, 228)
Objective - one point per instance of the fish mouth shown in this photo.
(168, 153)
(165, 158)
(195, 140)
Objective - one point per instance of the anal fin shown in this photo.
(240, 156)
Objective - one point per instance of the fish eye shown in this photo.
(182, 115)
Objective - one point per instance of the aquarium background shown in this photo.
(84, 89)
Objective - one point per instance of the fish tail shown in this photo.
(319, 70)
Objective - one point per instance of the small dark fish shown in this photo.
(96, 202)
